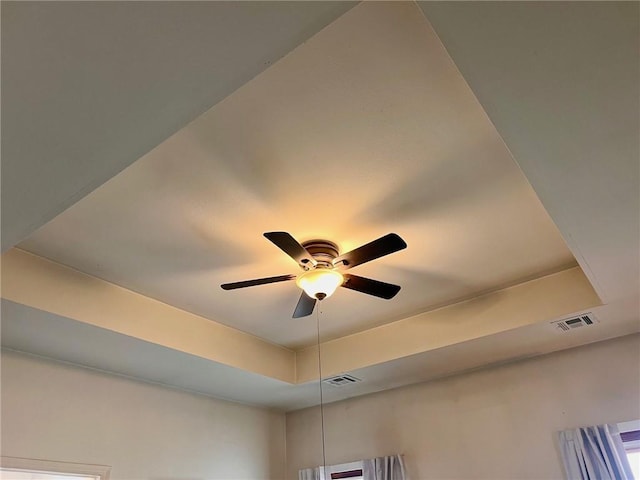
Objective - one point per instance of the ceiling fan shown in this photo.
(323, 265)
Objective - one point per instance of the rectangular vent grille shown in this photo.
(341, 380)
(584, 320)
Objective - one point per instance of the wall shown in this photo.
(55, 411)
(496, 423)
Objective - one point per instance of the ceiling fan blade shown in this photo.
(305, 306)
(390, 243)
(257, 281)
(291, 247)
(370, 287)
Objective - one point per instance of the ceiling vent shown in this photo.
(584, 320)
(341, 380)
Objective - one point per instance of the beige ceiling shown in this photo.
(88, 88)
(366, 128)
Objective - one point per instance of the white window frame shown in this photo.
(49, 466)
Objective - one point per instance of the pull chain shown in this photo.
(324, 457)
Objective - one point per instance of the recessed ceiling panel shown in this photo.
(367, 128)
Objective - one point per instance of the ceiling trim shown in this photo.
(45, 285)
(562, 294)
(39, 283)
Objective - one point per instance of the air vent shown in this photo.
(584, 320)
(341, 380)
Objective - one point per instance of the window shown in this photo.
(634, 460)
(630, 434)
(350, 474)
(12, 468)
(350, 471)
(11, 474)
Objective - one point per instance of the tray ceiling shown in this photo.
(367, 128)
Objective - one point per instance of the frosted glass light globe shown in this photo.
(320, 282)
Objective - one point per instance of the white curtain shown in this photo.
(384, 468)
(311, 474)
(594, 453)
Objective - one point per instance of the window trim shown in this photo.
(32, 464)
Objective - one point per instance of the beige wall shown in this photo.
(496, 423)
(54, 411)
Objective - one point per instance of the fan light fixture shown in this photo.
(318, 259)
(320, 283)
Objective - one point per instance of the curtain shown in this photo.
(311, 474)
(594, 453)
(384, 468)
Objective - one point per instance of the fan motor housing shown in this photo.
(323, 251)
